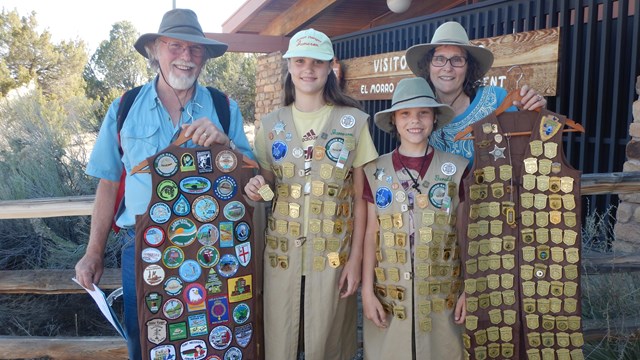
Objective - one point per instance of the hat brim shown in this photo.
(214, 48)
(482, 56)
(308, 54)
(444, 113)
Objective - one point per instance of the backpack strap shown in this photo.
(222, 105)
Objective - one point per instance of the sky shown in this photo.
(91, 20)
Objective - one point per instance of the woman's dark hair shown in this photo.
(472, 79)
(332, 93)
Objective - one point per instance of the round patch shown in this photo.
(347, 121)
(225, 187)
(208, 256)
(333, 148)
(448, 168)
(163, 352)
(181, 207)
(190, 270)
(233, 354)
(151, 255)
(437, 193)
(297, 152)
(220, 337)
(160, 213)
(154, 236)
(207, 234)
(278, 150)
(383, 197)
(166, 164)
(243, 231)
(153, 275)
(167, 190)
(182, 232)
(172, 257)
(228, 265)
(205, 208)
(226, 161)
(234, 210)
(173, 286)
(401, 196)
(193, 350)
(241, 313)
(173, 309)
(195, 185)
(194, 296)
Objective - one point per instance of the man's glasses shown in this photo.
(177, 48)
(456, 61)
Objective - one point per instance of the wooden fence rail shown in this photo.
(47, 281)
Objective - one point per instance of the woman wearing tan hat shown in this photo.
(312, 150)
(454, 68)
(411, 283)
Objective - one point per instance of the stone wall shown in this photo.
(271, 72)
(627, 228)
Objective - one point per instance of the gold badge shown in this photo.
(497, 190)
(349, 143)
(528, 288)
(318, 153)
(555, 202)
(570, 219)
(402, 256)
(529, 182)
(526, 272)
(542, 252)
(570, 237)
(569, 201)
(533, 321)
(528, 254)
(496, 227)
(555, 305)
(283, 262)
(506, 333)
(509, 316)
(508, 261)
(548, 323)
(489, 173)
(472, 249)
(566, 184)
(550, 150)
(426, 235)
(531, 165)
(555, 217)
(544, 166)
(534, 339)
(536, 147)
(281, 226)
(471, 322)
(314, 225)
(554, 184)
(294, 229)
(577, 340)
(542, 235)
(332, 190)
(506, 172)
(334, 259)
(555, 271)
(272, 243)
(399, 313)
(326, 171)
(481, 337)
(542, 288)
(318, 263)
(327, 226)
(318, 244)
(496, 298)
(506, 280)
(543, 306)
(315, 206)
(317, 188)
(540, 200)
(572, 255)
(425, 325)
(294, 210)
(385, 222)
(495, 245)
(574, 322)
(527, 220)
(571, 272)
(543, 182)
(526, 200)
(542, 218)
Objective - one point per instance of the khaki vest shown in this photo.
(195, 255)
(330, 326)
(419, 290)
(522, 255)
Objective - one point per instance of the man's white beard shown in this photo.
(181, 82)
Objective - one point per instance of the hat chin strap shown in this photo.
(174, 90)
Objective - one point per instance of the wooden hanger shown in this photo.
(512, 96)
(143, 166)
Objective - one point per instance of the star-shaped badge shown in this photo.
(497, 152)
(279, 127)
(379, 173)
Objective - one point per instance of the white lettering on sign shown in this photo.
(494, 81)
(389, 64)
(377, 88)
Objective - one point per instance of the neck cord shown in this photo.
(415, 185)
(456, 98)
(176, 93)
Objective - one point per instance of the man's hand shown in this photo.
(204, 133)
(89, 270)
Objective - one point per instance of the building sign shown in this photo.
(524, 58)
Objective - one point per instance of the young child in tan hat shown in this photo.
(411, 285)
(312, 150)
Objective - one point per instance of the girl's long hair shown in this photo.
(332, 93)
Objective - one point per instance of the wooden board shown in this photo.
(534, 54)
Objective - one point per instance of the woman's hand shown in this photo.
(531, 100)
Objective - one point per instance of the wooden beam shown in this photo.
(301, 13)
(46, 207)
(49, 281)
(251, 43)
(610, 183)
(243, 15)
(68, 348)
(603, 263)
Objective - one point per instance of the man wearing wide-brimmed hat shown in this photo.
(172, 102)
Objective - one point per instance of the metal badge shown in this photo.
(566, 184)
(531, 165)
(542, 235)
(570, 219)
(497, 152)
(550, 150)
(540, 201)
(489, 173)
(536, 147)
